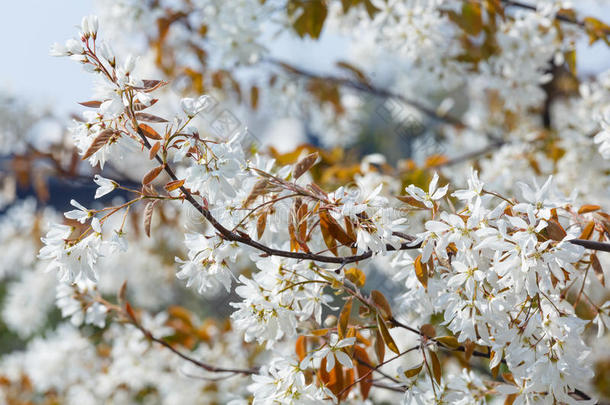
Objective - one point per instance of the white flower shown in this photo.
(330, 352)
(73, 260)
(96, 315)
(603, 139)
(89, 26)
(193, 107)
(261, 314)
(105, 186)
(81, 215)
(208, 262)
(429, 197)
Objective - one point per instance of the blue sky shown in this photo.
(27, 30)
(29, 27)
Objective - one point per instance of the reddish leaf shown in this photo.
(588, 208)
(174, 185)
(449, 341)
(150, 118)
(554, 230)
(153, 150)
(379, 347)
(137, 106)
(428, 330)
(151, 85)
(334, 229)
(152, 174)
(597, 267)
(91, 104)
(362, 360)
(261, 224)
(148, 212)
(149, 132)
(254, 97)
(421, 271)
(436, 366)
(301, 347)
(130, 313)
(100, 140)
(382, 303)
(303, 165)
(344, 318)
(385, 334)
(412, 372)
(356, 276)
(587, 231)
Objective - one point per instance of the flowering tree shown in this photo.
(471, 273)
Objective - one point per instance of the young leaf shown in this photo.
(362, 360)
(344, 318)
(587, 231)
(122, 293)
(303, 165)
(436, 366)
(385, 333)
(412, 372)
(510, 399)
(588, 208)
(150, 118)
(356, 276)
(152, 174)
(153, 150)
(428, 330)
(254, 97)
(91, 104)
(149, 132)
(468, 349)
(261, 187)
(130, 313)
(137, 106)
(320, 332)
(597, 267)
(301, 347)
(379, 347)
(261, 223)
(449, 341)
(311, 16)
(328, 224)
(148, 212)
(329, 241)
(174, 185)
(421, 272)
(554, 230)
(382, 303)
(152, 85)
(100, 140)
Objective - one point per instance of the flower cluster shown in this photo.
(347, 282)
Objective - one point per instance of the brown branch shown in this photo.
(389, 387)
(196, 362)
(376, 368)
(592, 245)
(148, 334)
(368, 88)
(471, 155)
(370, 366)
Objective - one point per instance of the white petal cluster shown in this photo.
(271, 307)
(217, 174)
(207, 267)
(502, 286)
(283, 381)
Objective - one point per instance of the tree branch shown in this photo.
(213, 369)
